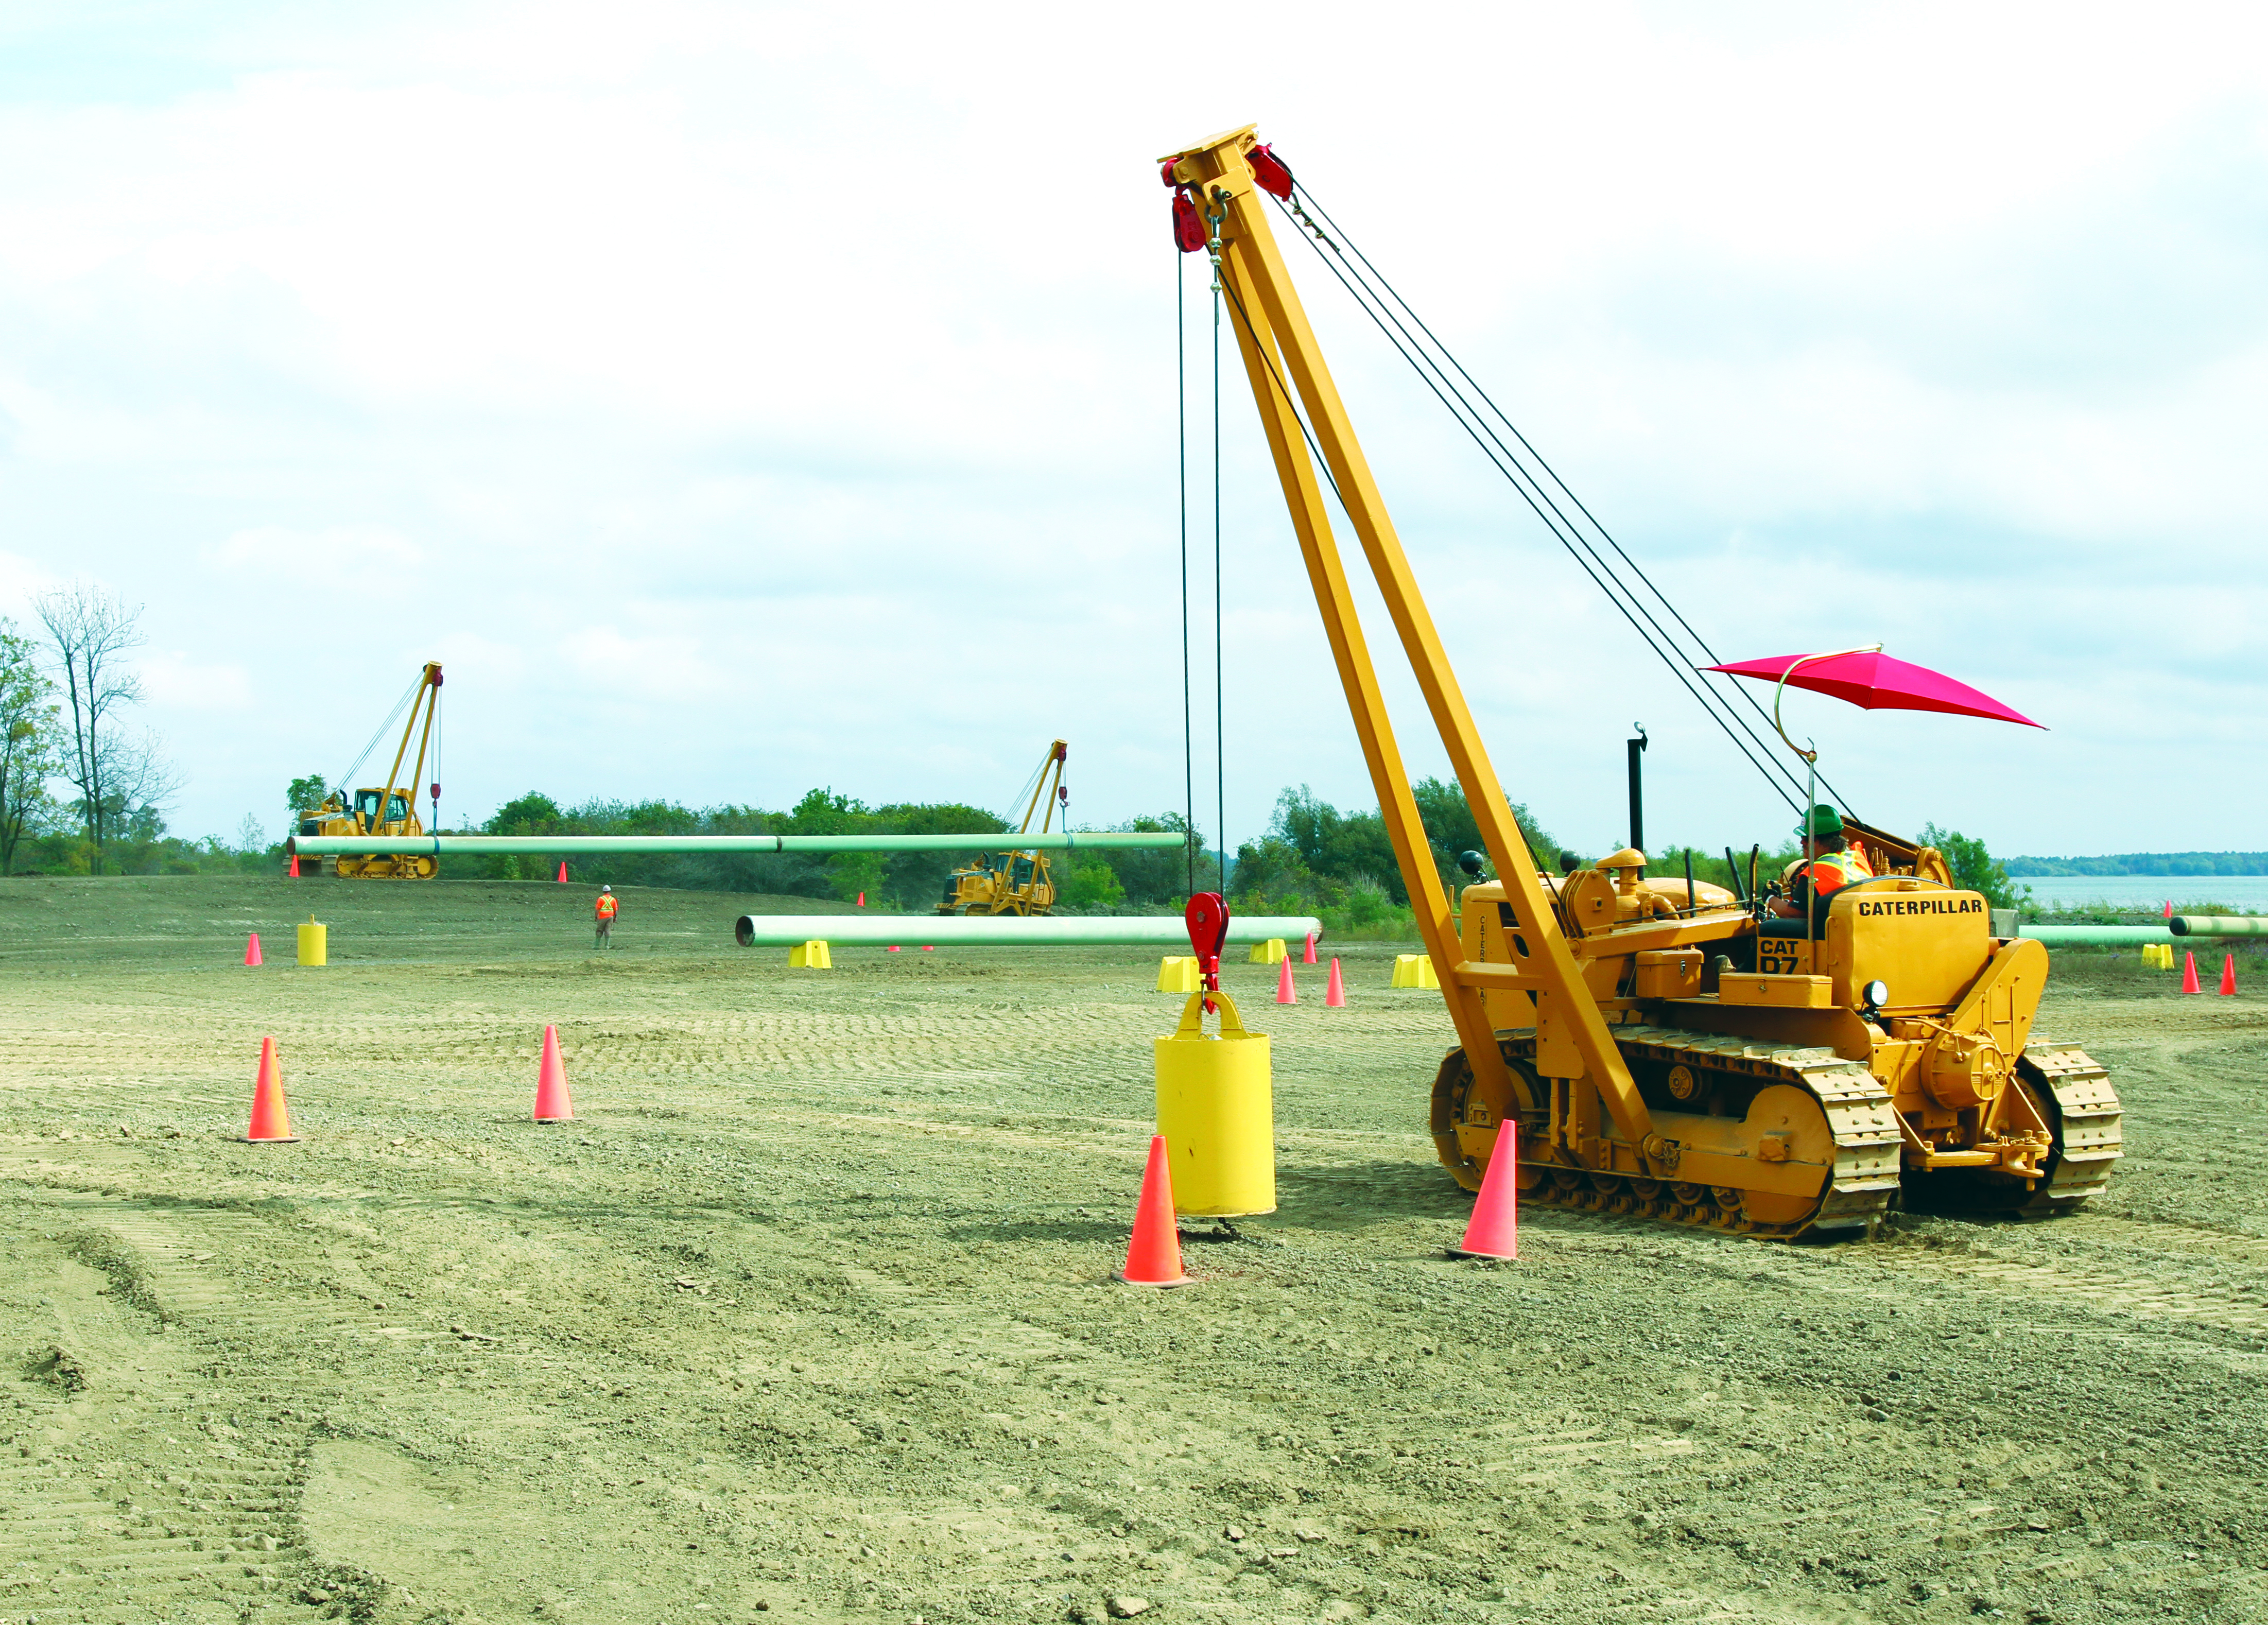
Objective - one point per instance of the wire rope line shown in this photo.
(1220, 630)
(383, 728)
(1028, 788)
(1182, 451)
(1371, 291)
(1596, 569)
(1323, 464)
(1659, 638)
(1309, 200)
(435, 780)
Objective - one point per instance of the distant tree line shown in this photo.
(1340, 866)
(1314, 859)
(912, 881)
(2142, 863)
(80, 793)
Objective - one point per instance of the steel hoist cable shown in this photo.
(345, 780)
(1591, 565)
(1371, 291)
(1657, 637)
(1323, 466)
(1181, 451)
(1028, 788)
(1219, 631)
(435, 780)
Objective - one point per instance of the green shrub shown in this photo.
(1091, 885)
(1973, 867)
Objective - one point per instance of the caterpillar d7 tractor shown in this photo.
(1679, 1054)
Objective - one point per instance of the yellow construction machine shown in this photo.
(1681, 1054)
(1020, 883)
(390, 809)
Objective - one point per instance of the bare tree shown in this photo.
(27, 742)
(90, 629)
(139, 784)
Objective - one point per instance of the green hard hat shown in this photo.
(1824, 820)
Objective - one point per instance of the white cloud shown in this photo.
(740, 399)
(345, 548)
(21, 581)
(176, 681)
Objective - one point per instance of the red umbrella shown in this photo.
(1875, 681)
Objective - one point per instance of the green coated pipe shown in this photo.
(866, 930)
(2095, 936)
(2218, 925)
(558, 846)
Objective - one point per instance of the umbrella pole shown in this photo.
(1811, 886)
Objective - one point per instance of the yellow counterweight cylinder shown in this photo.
(314, 943)
(1216, 1111)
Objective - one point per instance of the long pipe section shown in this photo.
(859, 930)
(2218, 925)
(2095, 936)
(558, 846)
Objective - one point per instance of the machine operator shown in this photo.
(1830, 862)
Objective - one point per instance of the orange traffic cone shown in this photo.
(1153, 1254)
(1494, 1230)
(2188, 971)
(894, 948)
(551, 1103)
(271, 1119)
(295, 865)
(862, 900)
(252, 950)
(2169, 907)
(1335, 995)
(562, 871)
(1309, 957)
(2228, 976)
(1285, 993)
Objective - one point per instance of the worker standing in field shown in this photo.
(608, 906)
(1830, 862)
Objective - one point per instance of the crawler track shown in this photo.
(2071, 1089)
(1856, 1109)
(2085, 1117)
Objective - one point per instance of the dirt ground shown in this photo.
(807, 1316)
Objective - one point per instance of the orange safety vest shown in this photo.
(1831, 872)
(608, 905)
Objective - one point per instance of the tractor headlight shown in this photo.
(1878, 994)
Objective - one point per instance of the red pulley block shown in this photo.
(1188, 227)
(1273, 174)
(1207, 918)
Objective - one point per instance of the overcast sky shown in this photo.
(740, 398)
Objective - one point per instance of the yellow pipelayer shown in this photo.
(1666, 1055)
(1024, 883)
(390, 809)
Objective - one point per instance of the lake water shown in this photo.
(2247, 892)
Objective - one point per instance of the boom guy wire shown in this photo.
(1438, 369)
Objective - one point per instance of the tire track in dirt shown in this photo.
(2182, 1240)
(2105, 1292)
(193, 1525)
